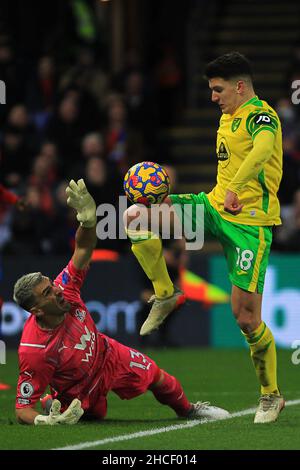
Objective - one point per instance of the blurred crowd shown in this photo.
(287, 236)
(67, 116)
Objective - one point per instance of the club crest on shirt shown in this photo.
(235, 124)
(80, 314)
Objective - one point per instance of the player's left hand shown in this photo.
(80, 199)
(232, 203)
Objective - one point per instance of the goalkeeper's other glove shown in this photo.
(71, 416)
(80, 199)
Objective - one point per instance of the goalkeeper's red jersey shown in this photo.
(70, 357)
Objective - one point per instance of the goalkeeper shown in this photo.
(61, 346)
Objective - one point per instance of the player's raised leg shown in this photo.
(246, 307)
(144, 234)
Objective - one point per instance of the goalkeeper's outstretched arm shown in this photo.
(85, 239)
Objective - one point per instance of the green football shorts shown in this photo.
(246, 247)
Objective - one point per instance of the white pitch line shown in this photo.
(152, 432)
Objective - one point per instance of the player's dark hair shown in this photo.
(227, 66)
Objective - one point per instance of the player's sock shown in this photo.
(263, 354)
(147, 248)
(170, 392)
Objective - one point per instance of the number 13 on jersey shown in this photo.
(143, 362)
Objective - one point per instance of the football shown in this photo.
(146, 183)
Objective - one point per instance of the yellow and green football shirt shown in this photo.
(235, 139)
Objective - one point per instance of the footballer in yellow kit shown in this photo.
(240, 212)
(235, 139)
(246, 236)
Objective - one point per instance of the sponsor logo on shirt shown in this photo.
(23, 401)
(262, 119)
(26, 389)
(223, 153)
(88, 338)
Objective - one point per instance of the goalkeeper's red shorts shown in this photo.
(134, 372)
(127, 372)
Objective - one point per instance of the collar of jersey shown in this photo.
(251, 101)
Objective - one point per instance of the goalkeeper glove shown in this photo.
(80, 199)
(71, 416)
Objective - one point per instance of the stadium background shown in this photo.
(91, 88)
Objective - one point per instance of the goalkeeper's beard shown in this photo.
(62, 305)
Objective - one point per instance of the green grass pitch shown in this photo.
(223, 377)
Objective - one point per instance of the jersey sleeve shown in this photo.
(261, 152)
(258, 121)
(35, 375)
(70, 281)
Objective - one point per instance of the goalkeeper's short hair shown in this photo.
(23, 289)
